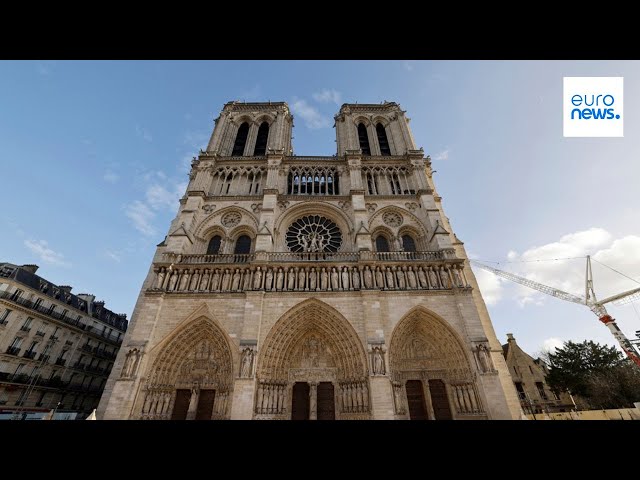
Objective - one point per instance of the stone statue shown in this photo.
(215, 280)
(184, 280)
(313, 398)
(301, 279)
(484, 358)
(345, 278)
(194, 280)
(324, 279)
(247, 363)
(433, 279)
(235, 285)
(312, 279)
(379, 278)
(355, 278)
(411, 278)
(422, 277)
(173, 280)
(204, 281)
(291, 279)
(226, 280)
(378, 361)
(458, 278)
(335, 279)
(444, 277)
(397, 395)
(268, 279)
(279, 279)
(160, 279)
(368, 277)
(257, 279)
(246, 282)
(400, 276)
(389, 275)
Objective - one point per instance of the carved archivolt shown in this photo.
(198, 356)
(312, 335)
(422, 342)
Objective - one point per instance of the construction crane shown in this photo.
(589, 300)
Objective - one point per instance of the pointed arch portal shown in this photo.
(192, 376)
(430, 371)
(312, 344)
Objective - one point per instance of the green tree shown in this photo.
(571, 365)
(599, 374)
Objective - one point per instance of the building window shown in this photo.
(51, 309)
(4, 316)
(382, 139)
(4, 397)
(515, 370)
(520, 389)
(214, 245)
(22, 398)
(261, 141)
(16, 343)
(363, 139)
(382, 244)
(408, 244)
(531, 369)
(541, 392)
(19, 369)
(64, 313)
(241, 140)
(41, 399)
(243, 245)
(37, 304)
(17, 294)
(26, 326)
(313, 181)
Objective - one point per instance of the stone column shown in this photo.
(313, 400)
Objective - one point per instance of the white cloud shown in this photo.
(110, 176)
(443, 155)
(561, 264)
(328, 96)
(490, 286)
(551, 344)
(141, 216)
(408, 66)
(159, 196)
(144, 133)
(46, 254)
(113, 256)
(313, 119)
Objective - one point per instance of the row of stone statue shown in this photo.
(271, 398)
(158, 403)
(466, 399)
(426, 277)
(353, 397)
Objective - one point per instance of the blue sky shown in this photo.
(95, 156)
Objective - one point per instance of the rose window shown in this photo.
(313, 233)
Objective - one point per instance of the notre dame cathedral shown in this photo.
(310, 288)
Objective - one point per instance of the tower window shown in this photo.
(241, 140)
(364, 139)
(214, 245)
(408, 244)
(382, 244)
(382, 140)
(243, 245)
(261, 141)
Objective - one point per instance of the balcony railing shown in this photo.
(13, 350)
(30, 354)
(58, 316)
(40, 334)
(61, 361)
(43, 358)
(195, 259)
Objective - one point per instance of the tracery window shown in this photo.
(313, 233)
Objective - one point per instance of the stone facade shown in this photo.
(56, 348)
(529, 378)
(310, 287)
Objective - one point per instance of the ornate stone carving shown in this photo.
(483, 357)
(313, 233)
(131, 362)
(256, 207)
(283, 204)
(377, 361)
(344, 205)
(208, 208)
(231, 219)
(247, 355)
(411, 206)
(371, 207)
(393, 219)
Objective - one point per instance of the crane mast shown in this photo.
(589, 300)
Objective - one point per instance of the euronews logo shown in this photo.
(592, 107)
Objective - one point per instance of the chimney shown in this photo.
(66, 288)
(510, 337)
(31, 268)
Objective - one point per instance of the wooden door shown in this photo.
(300, 401)
(440, 400)
(326, 401)
(181, 405)
(205, 404)
(415, 400)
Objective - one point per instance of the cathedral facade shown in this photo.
(295, 287)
